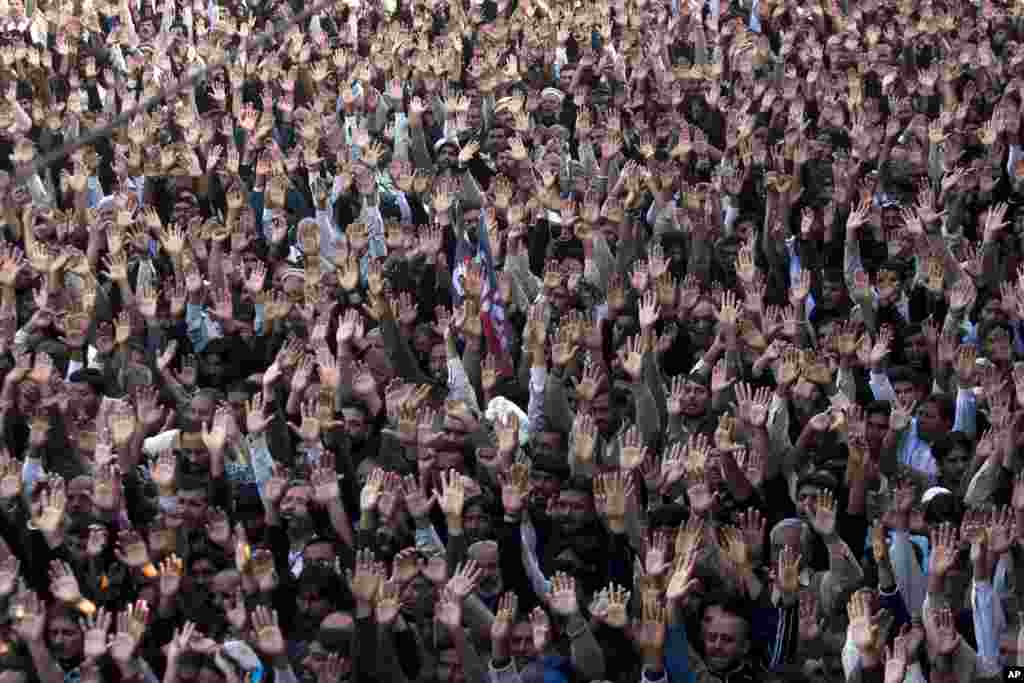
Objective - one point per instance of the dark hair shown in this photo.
(730, 604)
(989, 326)
(944, 507)
(945, 444)
(946, 404)
(904, 374)
(878, 408)
(670, 515)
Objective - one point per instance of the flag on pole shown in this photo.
(492, 308)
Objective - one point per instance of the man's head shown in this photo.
(701, 325)
(725, 634)
(64, 636)
(876, 415)
(910, 386)
(996, 338)
(935, 417)
(696, 395)
(808, 489)
(295, 504)
(193, 499)
(334, 637)
(485, 553)
(84, 392)
(952, 453)
(915, 348)
(576, 509)
(317, 591)
(446, 154)
(79, 492)
(357, 425)
(478, 520)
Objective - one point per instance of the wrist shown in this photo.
(870, 658)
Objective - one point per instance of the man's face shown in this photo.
(446, 157)
(930, 423)
(806, 501)
(202, 571)
(998, 346)
(543, 487)
(702, 326)
(578, 509)
(695, 399)
(355, 423)
(212, 367)
(476, 524)
(521, 642)
(223, 587)
(916, 350)
(82, 400)
(726, 639)
(993, 310)
(906, 391)
(601, 411)
(316, 658)
(79, 493)
(877, 426)
(548, 443)
(438, 361)
(313, 606)
(295, 503)
(193, 506)
(201, 410)
(318, 553)
(486, 556)
(953, 466)
(65, 638)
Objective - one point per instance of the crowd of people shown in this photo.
(515, 341)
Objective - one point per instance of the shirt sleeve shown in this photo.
(985, 628)
(966, 413)
(881, 387)
(908, 573)
(535, 408)
(195, 323)
(459, 388)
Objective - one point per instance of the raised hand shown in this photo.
(504, 620)
(824, 519)
(366, 579)
(865, 626)
(515, 487)
(131, 627)
(465, 579)
(96, 628)
(562, 596)
(267, 630)
(388, 601)
(172, 569)
(632, 451)
(448, 610)
(452, 496)
(944, 550)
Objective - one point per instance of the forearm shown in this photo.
(341, 523)
(45, 665)
(587, 655)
